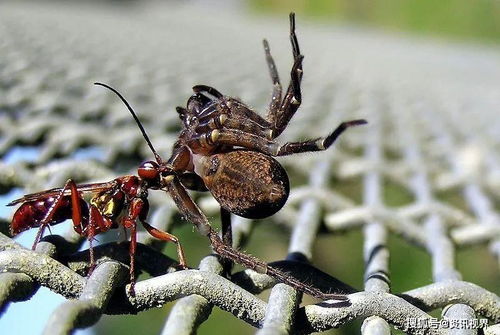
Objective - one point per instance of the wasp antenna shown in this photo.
(143, 131)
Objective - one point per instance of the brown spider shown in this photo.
(224, 147)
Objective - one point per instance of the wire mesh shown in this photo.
(433, 127)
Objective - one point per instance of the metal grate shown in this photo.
(433, 127)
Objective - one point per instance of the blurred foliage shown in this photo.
(464, 19)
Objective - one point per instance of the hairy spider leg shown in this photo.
(235, 137)
(277, 89)
(180, 158)
(227, 238)
(318, 144)
(191, 211)
(281, 110)
(234, 115)
(208, 89)
(227, 234)
(280, 116)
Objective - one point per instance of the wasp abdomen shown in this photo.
(246, 183)
(31, 213)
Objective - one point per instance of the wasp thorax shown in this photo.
(148, 170)
(246, 183)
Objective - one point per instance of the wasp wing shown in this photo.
(84, 188)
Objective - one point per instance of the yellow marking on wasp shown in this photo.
(109, 208)
(105, 204)
(94, 202)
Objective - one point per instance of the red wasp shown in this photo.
(224, 147)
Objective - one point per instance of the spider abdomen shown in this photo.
(247, 183)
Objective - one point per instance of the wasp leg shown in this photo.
(97, 224)
(164, 236)
(138, 208)
(132, 250)
(90, 237)
(76, 209)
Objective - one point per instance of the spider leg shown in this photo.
(208, 89)
(97, 223)
(235, 137)
(186, 206)
(180, 158)
(192, 212)
(231, 114)
(277, 89)
(214, 123)
(318, 144)
(234, 122)
(227, 237)
(293, 95)
(227, 232)
(164, 236)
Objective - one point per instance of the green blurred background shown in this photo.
(476, 21)
(458, 19)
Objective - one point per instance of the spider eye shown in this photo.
(148, 170)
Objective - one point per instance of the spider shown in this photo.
(224, 147)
